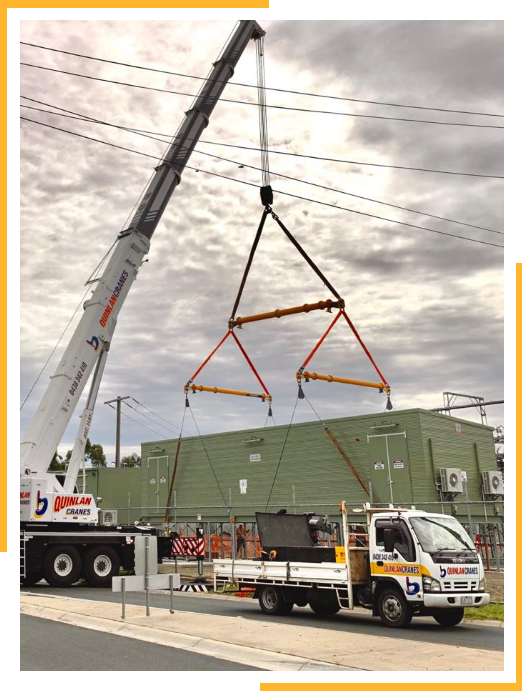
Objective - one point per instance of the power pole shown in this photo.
(118, 401)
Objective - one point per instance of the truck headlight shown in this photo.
(482, 584)
(430, 584)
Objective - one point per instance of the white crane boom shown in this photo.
(91, 339)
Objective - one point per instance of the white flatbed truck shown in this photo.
(413, 564)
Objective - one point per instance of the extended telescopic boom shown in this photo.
(93, 334)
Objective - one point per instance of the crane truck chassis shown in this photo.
(409, 563)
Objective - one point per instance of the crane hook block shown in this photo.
(267, 195)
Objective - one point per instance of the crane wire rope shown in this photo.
(282, 452)
(206, 452)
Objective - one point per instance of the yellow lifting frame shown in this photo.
(327, 305)
(339, 380)
(232, 392)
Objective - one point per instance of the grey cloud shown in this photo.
(429, 307)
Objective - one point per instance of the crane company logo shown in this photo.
(113, 298)
(41, 505)
(64, 502)
(94, 342)
(411, 587)
(458, 571)
(402, 569)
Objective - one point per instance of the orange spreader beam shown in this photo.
(327, 305)
(232, 392)
(340, 380)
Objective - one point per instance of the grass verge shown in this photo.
(494, 612)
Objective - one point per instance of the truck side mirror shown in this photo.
(388, 540)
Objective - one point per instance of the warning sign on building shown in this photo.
(398, 464)
(378, 465)
(255, 457)
(243, 486)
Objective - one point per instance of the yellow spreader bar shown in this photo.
(277, 314)
(341, 380)
(232, 392)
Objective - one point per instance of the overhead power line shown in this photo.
(86, 118)
(254, 103)
(266, 88)
(137, 422)
(297, 155)
(169, 429)
(251, 184)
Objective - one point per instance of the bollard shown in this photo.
(123, 598)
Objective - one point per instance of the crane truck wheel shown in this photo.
(100, 565)
(393, 608)
(272, 602)
(449, 617)
(63, 565)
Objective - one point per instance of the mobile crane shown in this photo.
(59, 533)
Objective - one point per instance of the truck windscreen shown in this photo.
(441, 533)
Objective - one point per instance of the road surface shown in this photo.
(423, 629)
(50, 646)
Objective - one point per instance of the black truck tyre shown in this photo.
(394, 610)
(63, 566)
(101, 563)
(324, 604)
(449, 617)
(272, 602)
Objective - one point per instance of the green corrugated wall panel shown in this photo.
(472, 450)
(113, 486)
(311, 465)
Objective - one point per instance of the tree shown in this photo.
(132, 461)
(95, 454)
(57, 464)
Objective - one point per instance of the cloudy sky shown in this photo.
(429, 307)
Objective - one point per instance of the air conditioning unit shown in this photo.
(492, 482)
(108, 517)
(451, 480)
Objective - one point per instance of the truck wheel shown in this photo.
(271, 601)
(62, 566)
(31, 578)
(100, 565)
(449, 617)
(394, 610)
(324, 604)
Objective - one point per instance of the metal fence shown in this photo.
(240, 539)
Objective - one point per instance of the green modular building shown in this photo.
(403, 457)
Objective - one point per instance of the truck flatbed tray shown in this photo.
(279, 571)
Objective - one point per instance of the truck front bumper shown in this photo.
(436, 600)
